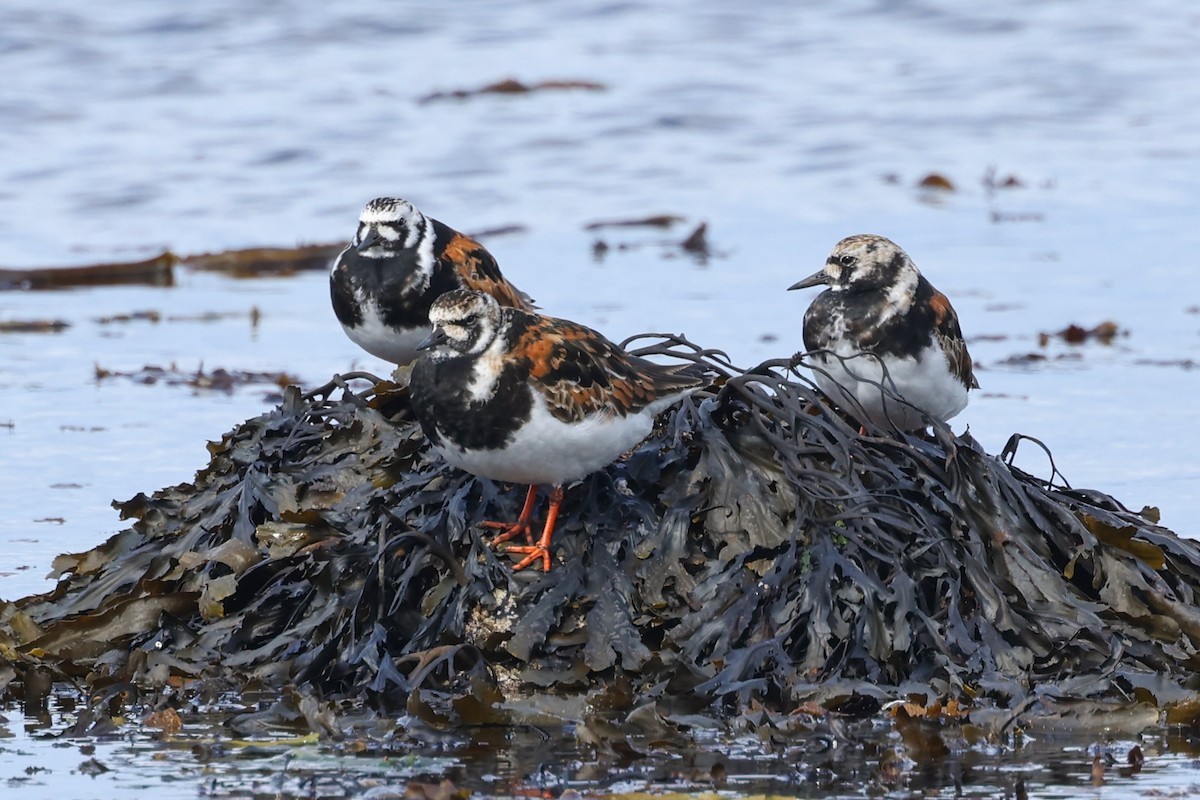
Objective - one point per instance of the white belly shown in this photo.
(927, 384)
(549, 451)
(381, 341)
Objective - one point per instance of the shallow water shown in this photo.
(785, 127)
(204, 758)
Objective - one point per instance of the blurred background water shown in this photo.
(133, 128)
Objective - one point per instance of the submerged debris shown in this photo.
(998, 217)
(695, 244)
(254, 315)
(1104, 333)
(936, 181)
(697, 241)
(149, 315)
(655, 221)
(501, 230)
(1181, 363)
(992, 180)
(513, 86)
(33, 326)
(755, 555)
(1023, 359)
(219, 379)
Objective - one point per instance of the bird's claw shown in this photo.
(535, 551)
(510, 530)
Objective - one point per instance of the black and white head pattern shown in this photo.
(469, 321)
(388, 225)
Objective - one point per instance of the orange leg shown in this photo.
(521, 526)
(542, 548)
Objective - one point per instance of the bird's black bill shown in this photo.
(436, 336)
(370, 240)
(816, 279)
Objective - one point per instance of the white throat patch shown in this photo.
(486, 373)
(900, 295)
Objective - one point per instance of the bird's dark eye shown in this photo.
(847, 260)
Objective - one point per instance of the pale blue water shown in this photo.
(784, 126)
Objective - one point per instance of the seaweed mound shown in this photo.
(755, 552)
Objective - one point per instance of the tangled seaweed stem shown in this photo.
(759, 391)
(341, 381)
(1009, 453)
(427, 661)
(435, 547)
(715, 360)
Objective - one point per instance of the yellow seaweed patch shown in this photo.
(1122, 538)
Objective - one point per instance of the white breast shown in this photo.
(549, 451)
(854, 381)
(381, 341)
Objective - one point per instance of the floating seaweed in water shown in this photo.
(695, 244)
(33, 326)
(254, 262)
(157, 271)
(1104, 333)
(219, 379)
(755, 556)
(513, 86)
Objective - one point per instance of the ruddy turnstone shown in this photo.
(888, 344)
(398, 263)
(515, 396)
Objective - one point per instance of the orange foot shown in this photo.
(541, 550)
(523, 525)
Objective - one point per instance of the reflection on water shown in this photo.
(785, 127)
(206, 758)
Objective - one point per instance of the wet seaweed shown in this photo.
(754, 559)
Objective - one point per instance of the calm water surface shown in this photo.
(131, 129)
